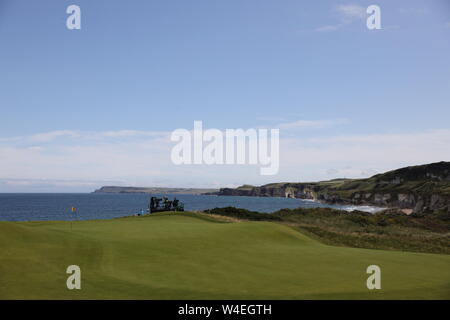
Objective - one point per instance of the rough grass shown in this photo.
(359, 229)
(243, 214)
(192, 256)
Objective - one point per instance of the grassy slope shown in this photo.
(387, 231)
(183, 257)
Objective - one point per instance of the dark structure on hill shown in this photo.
(155, 205)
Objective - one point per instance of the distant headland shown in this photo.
(154, 190)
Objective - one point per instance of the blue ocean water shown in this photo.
(56, 206)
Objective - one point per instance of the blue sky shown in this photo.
(83, 108)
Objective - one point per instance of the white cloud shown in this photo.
(351, 11)
(414, 11)
(91, 155)
(361, 154)
(329, 28)
(311, 124)
(441, 137)
(55, 183)
(271, 118)
(132, 133)
(144, 159)
(49, 136)
(347, 13)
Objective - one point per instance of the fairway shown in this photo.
(173, 256)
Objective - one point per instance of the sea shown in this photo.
(92, 206)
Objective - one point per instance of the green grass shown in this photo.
(192, 256)
(388, 231)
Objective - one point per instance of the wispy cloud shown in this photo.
(349, 12)
(311, 124)
(329, 28)
(73, 135)
(346, 13)
(56, 183)
(79, 162)
(364, 154)
(414, 11)
(49, 136)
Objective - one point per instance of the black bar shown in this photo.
(247, 309)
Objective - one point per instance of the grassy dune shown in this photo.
(189, 256)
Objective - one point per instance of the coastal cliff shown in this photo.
(413, 190)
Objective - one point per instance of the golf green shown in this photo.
(173, 256)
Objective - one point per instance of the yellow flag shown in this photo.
(74, 209)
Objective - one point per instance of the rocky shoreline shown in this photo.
(415, 190)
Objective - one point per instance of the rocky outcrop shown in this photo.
(417, 203)
(420, 189)
(276, 190)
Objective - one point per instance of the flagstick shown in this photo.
(74, 210)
